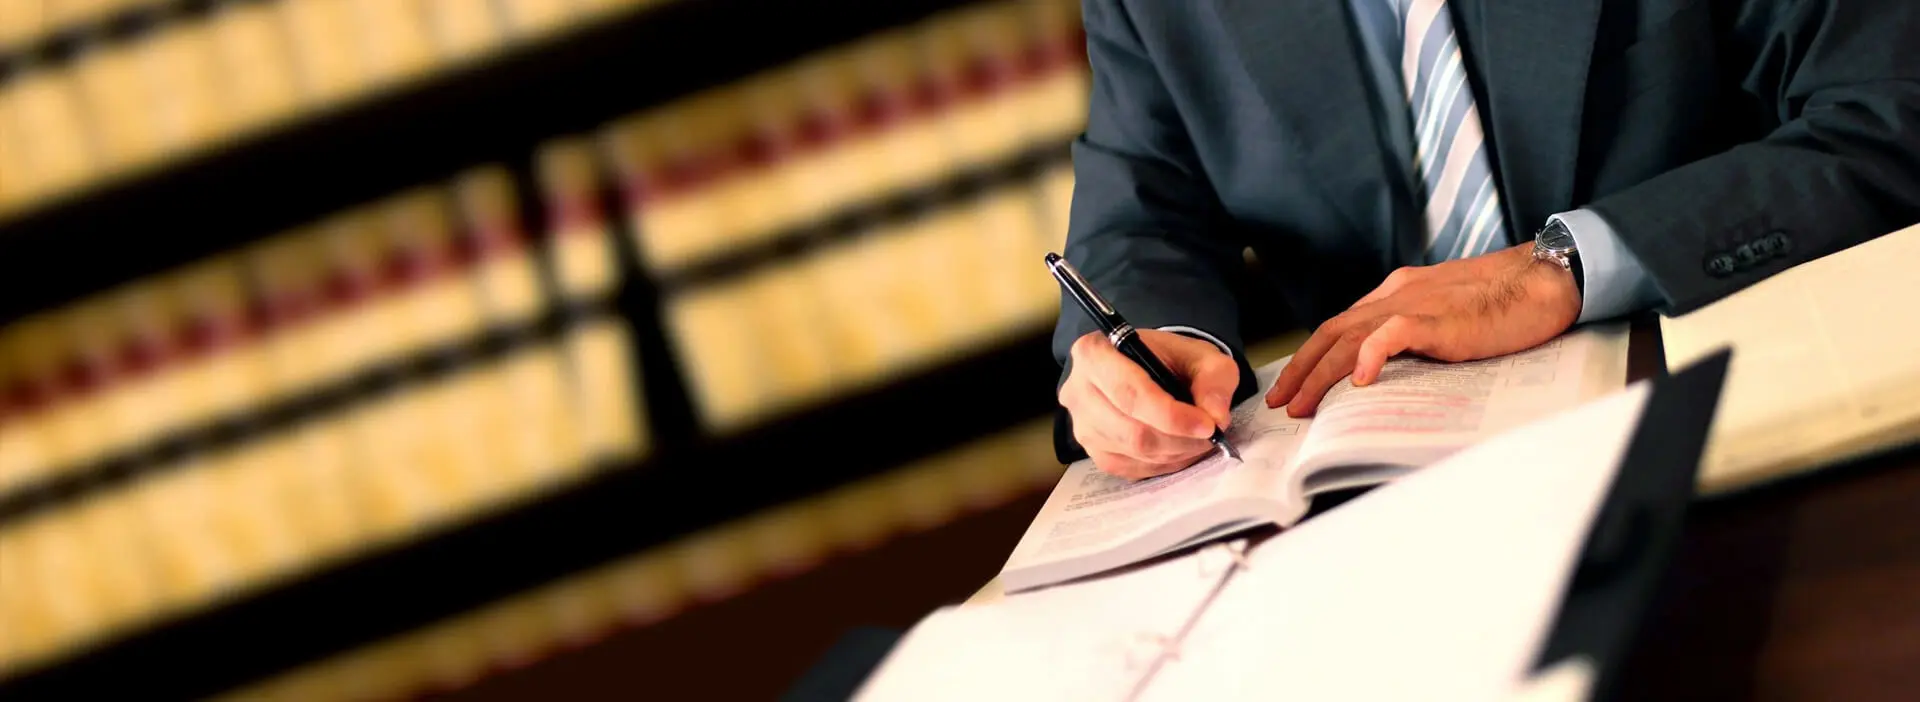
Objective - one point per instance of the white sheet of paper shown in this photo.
(1089, 640)
(1440, 586)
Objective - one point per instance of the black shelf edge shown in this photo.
(616, 512)
(485, 112)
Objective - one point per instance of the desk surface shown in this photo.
(1804, 590)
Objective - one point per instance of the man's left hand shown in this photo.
(1472, 308)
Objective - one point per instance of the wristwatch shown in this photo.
(1554, 243)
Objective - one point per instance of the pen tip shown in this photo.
(1052, 258)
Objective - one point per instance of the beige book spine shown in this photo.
(394, 40)
(1055, 101)
(861, 336)
(191, 105)
(450, 481)
(49, 120)
(825, 178)
(786, 308)
(536, 386)
(579, 610)
(66, 419)
(221, 376)
(113, 84)
(144, 398)
(22, 22)
(47, 613)
(569, 458)
(529, 19)
(984, 122)
(790, 539)
(64, 14)
(504, 263)
(713, 330)
(325, 43)
(580, 236)
(254, 58)
(21, 429)
(716, 563)
(329, 518)
(1011, 251)
(451, 654)
(17, 184)
(914, 151)
(18, 614)
(178, 507)
(367, 328)
(447, 306)
(384, 491)
(762, 191)
(464, 29)
(692, 221)
(608, 391)
(646, 588)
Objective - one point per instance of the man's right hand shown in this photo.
(1128, 425)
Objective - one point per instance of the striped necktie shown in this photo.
(1463, 216)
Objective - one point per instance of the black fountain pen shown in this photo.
(1125, 339)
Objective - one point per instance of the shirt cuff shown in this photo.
(1616, 283)
(1203, 336)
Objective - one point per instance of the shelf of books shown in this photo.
(215, 120)
(707, 336)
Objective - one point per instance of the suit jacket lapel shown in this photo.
(1300, 54)
(1532, 59)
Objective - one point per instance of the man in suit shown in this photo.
(1457, 179)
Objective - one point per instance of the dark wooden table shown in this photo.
(1808, 589)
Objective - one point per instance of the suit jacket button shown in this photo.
(1721, 266)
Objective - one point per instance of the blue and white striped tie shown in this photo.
(1463, 214)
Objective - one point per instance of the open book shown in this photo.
(1460, 582)
(1418, 412)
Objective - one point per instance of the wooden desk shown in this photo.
(1803, 590)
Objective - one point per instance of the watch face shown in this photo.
(1556, 237)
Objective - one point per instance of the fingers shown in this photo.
(1213, 376)
(1132, 468)
(1334, 365)
(1125, 443)
(1305, 360)
(1214, 380)
(1126, 386)
(1398, 334)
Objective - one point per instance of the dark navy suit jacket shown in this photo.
(1724, 141)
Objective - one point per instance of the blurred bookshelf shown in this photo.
(368, 346)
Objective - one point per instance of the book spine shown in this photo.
(579, 231)
(463, 29)
(251, 46)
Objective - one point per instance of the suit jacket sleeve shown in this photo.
(1842, 167)
(1146, 228)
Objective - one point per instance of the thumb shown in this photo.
(1214, 376)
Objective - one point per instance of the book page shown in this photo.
(1421, 590)
(1419, 410)
(1826, 363)
(1091, 640)
(1094, 520)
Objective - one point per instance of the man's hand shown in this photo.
(1128, 425)
(1472, 308)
